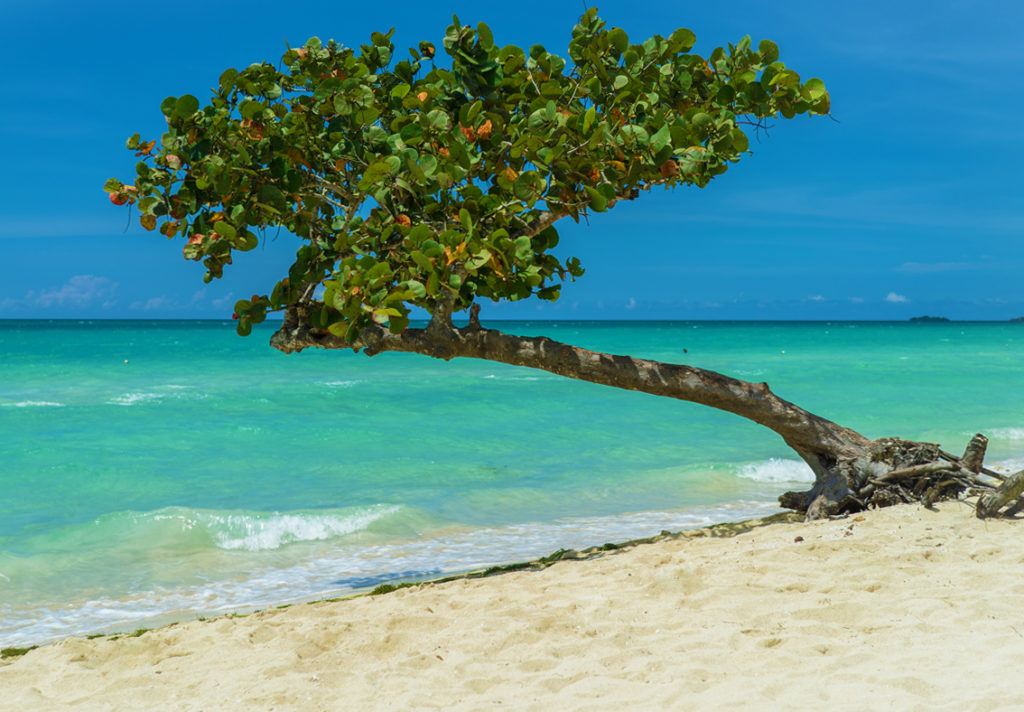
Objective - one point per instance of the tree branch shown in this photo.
(808, 434)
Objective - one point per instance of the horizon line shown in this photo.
(918, 320)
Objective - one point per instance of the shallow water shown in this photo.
(172, 468)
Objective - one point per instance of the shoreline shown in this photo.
(347, 569)
(132, 627)
(902, 603)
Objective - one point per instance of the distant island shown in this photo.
(1018, 319)
(929, 318)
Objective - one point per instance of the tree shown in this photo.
(438, 189)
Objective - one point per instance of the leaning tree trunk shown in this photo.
(851, 471)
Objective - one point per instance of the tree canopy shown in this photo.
(412, 183)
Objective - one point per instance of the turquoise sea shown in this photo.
(154, 471)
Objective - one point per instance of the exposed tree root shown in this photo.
(891, 471)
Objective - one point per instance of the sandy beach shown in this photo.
(895, 609)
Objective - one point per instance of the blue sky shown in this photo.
(909, 203)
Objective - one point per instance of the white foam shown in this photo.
(1008, 466)
(261, 532)
(1006, 433)
(348, 568)
(133, 398)
(777, 470)
(340, 384)
(34, 404)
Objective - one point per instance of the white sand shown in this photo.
(898, 609)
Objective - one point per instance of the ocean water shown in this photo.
(155, 471)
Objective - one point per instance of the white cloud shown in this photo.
(156, 303)
(896, 298)
(225, 301)
(83, 290)
(631, 304)
(816, 298)
(857, 300)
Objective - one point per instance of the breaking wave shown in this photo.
(776, 470)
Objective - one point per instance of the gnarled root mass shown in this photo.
(892, 471)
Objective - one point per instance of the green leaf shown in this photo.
(416, 287)
(478, 260)
(682, 40)
(167, 106)
(786, 79)
(146, 205)
(768, 50)
(484, 36)
(619, 40)
(740, 142)
(398, 324)
(815, 88)
(700, 119)
(326, 88)
(227, 78)
(419, 233)
(382, 316)
(597, 201)
(185, 106)
(428, 164)
(524, 250)
(432, 248)
(246, 241)
(225, 229)
(374, 173)
(632, 132)
(272, 195)
(523, 187)
(415, 170)
(439, 120)
(620, 81)
(661, 138)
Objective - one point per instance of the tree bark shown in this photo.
(851, 471)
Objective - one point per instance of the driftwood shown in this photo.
(1008, 493)
(942, 476)
(975, 453)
